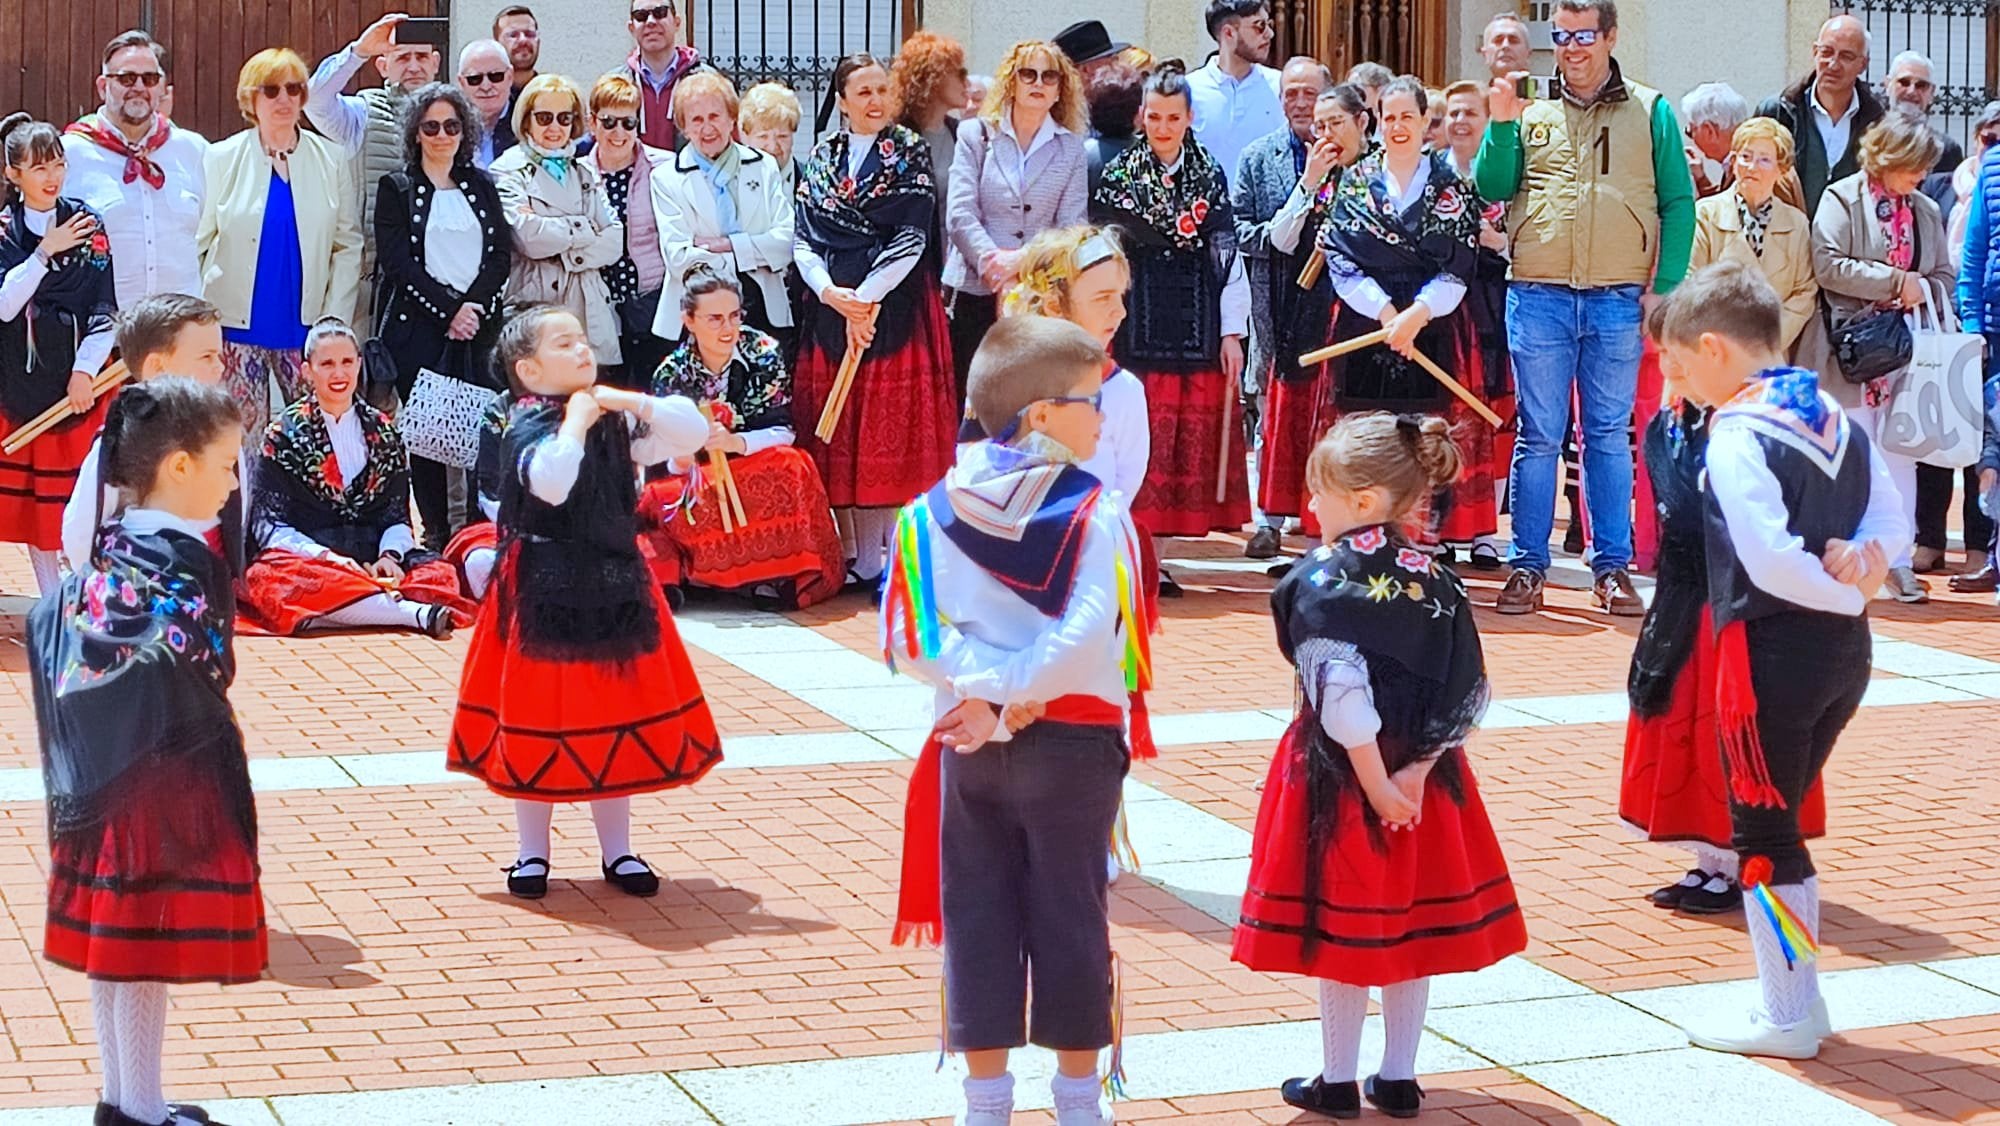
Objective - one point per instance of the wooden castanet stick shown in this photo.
(1322, 355)
(1457, 388)
(1310, 272)
(843, 385)
(42, 423)
(1222, 462)
(727, 500)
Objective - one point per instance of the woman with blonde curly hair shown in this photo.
(1020, 169)
(928, 83)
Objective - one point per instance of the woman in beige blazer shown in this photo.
(1879, 243)
(279, 238)
(565, 232)
(1748, 223)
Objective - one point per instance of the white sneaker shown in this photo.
(984, 1117)
(1099, 1115)
(1818, 1020)
(1755, 1035)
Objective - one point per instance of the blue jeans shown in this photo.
(1586, 339)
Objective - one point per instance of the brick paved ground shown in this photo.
(398, 961)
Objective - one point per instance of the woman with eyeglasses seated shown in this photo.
(279, 238)
(628, 169)
(727, 206)
(565, 232)
(786, 550)
(444, 249)
(330, 513)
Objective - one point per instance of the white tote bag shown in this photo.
(441, 421)
(1936, 409)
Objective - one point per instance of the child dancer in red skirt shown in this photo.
(1374, 863)
(576, 687)
(152, 828)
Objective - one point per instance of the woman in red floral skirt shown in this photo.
(1374, 863)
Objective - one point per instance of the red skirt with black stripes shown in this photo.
(159, 890)
(36, 481)
(1433, 899)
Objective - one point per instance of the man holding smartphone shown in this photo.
(1601, 221)
(364, 124)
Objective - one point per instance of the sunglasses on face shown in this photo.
(608, 123)
(289, 89)
(475, 81)
(1989, 139)
(554, 117)
(1584, 37)
(131, 78)
(661, 14)
(449, 128)
(1032, 77)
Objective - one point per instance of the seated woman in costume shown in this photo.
(1401, 242)
(787, 548)
(330, 511)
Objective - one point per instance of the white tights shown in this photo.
(131, 1020)
(47, 567)
(374, 611)
(613, 817)
(869, 530)
(1342, 1008)
(479, 571)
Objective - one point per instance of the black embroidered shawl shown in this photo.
(131, 662)
(859, 223)
(578, 587)
(77, 298)
(756, 387)
(1675, 445)
(298, 483)
(1181, 236)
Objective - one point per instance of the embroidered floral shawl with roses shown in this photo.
(1439, 234)
(756, 389)
(76, 298)
(860, 223)
(306, 491)
(1187, 208)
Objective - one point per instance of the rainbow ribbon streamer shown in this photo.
(1122, 848)
(1793, 938)
(1114, 1072)
(910, 588)
(1138, 658)
(944, 1025)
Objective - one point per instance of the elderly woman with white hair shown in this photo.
(1710, 115)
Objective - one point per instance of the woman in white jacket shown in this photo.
(724, 206)
(565, 232)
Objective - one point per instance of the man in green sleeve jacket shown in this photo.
(1601, 217)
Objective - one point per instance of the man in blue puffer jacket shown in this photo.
(1979, 311)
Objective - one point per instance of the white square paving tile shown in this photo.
(1985, 684)
(400, 768)
(906, 742)
(1907, 658)
(793, 670)
(1172, 1065)
(317, 772)
(1504, 716)
(736, 637)
(1589, 707)
(21, 783)
(1871, 997)
(1212, 887)
(1693, 1087)
(760, 752)
(1166, 832)
(1559, 1028)
(1898, 691)
(1189, 728)
(1983, 972)
(897, 704)
(1512, 979)
(650, 1099)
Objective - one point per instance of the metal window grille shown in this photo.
(797, 42)
(1960, 37)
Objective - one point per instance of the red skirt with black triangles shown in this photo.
(1429, 900)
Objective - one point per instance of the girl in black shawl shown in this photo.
(1401, 245)
(1190, 310)
(1373, 861)
(56, 307)
(152, 829)
(867, 202)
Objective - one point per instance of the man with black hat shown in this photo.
(1087, 42)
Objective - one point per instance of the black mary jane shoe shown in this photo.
(644, 883)
(1335, 1100)
(529, 886)
(1397, 1098)
(1484, 557)
(1168, 587)
(1706, 900)
(177, 1113)
(675, 596)
(1669, 897)
(438, 623)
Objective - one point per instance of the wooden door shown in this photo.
(1407, 36)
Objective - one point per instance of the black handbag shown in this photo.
(1871, 347)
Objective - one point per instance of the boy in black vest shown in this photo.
(1802, 521)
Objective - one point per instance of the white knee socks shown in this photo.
(377, 610)
(48, 568)
(142, 1032)
(1789, 988)
(1715, 861)
(1342, 1008)
(531, 826)
(872, 528)
(613, 817)
(104, 1017)
(479, 570)
(1403, 1007)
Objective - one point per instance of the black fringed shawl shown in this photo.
(1675, 445)
(77, 298)
(882, 213)
(1181, 236)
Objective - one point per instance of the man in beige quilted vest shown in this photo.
(1601, 217)
(364, 124)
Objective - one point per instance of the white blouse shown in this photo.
(452, 242)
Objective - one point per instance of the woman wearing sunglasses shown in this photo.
(725, 205)
(443, 247)
(1020, 169)
(280, 239)
(628, 168)
(565, 233)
